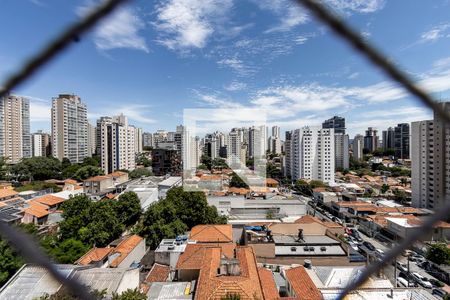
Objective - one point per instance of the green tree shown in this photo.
(302, 187)
(65, 163)
(130, 295)
(67, 251)
(439, 254)
(37, 168)
(384, 188)
(400, 196)
(219, 163)
(86, 172)
(10, 261)
(128, 208)
(38, 186)
(70, 171)
(206, 160)
(237, 181)
(273, 171)
(176, 214)
(138, 173)
(92, 161)
(142, 159)
(3, 168)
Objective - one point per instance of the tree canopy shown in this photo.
(237, 181)
(176, 214)
(36, 168)
(439, 254)
(137, 173)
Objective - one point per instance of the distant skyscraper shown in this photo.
(235, 156)
(147, 138)
(257, 142)
(341, 144)
(388, 138)
(92, 139)
(139, 144)
(98, 130)
(430, 162)
(15, 138)
(357, 147)
(276, 131)
(41, 144)
(338, 123)
(69, 128)
(401, 141)
(312, 154)
(371, 142)
(287, 155)
(117, 144)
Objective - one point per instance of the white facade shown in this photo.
(357, 147)
(274, 145)
(117, 145)
(313, 154)
(235, 154)
(15, 138)
(341, 150)
(92, 139)
(69, 128)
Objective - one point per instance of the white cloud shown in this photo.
(436, 33)
(235, 86)
(356, 6)
(237, 66)
(134, 112)
(120, 30)
(189, 23)
(39, 111)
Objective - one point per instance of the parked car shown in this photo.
(416, 258)
(353, 246)
(436, 283)
(369, 246)
(439, 292)
(403, 282)
(402, 267)
(408, 252)
(423, 281)
(379, 252)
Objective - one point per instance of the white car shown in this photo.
(402, 282)
(379, 252)
(423, 281)
(353, 246)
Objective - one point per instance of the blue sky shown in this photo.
(152, 59)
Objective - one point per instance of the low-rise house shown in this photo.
(36, 213)
(212, 233)
(31, 281)
(169, 251)
(324, 197)
(165, 185)
(97, 257)
(97, 184)
(53, 202)
(7, 193)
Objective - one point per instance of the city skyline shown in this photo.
(151, 69)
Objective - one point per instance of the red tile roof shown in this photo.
(98, 178)
(124, 248)
(7, 193)
(304, 288)
(49, 200)
(212, 233)
(212, 286)
(116, 174)
(158, 273)
(193, 256)
(36, 209)
(94, 255)
(268, 285)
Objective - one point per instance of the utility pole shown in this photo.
(395, 264)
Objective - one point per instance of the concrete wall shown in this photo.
(135, 255)
(130, 280)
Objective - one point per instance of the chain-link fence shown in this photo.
(28, 247)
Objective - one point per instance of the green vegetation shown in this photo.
(84, 172)
(138, 173)
(395, 171)
(143, 160)
(37, 186)
(213, 163)
(237, 182)
(231, 296)
(273, 172)
(305, 188)
(439, 254)
(36, 168)
(384, 188)
(176, 214)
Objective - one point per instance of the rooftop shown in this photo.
(158, 273)
(5, 192)
(49, 200)
(194, 254)
(124, 248)
(301, 283)
(169, 291)
(94, 255)
(212, 233)
(170, 181)
(98, 178)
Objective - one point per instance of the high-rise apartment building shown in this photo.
(388, 138)
(69, 128)
(257, 141)
(147, 139)
(287, 160)
(357, 147)
(274, 145)
(338, 123)
(92, 139)
(41, 144)
(98, 131)
(276, 131)
(117, 144)
(15, 138)
(371, 142)
(312, 154)
(138, 143)
(430, 162)
(401, 141)
(341, 150)
(236, 150)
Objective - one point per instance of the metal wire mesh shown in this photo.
(29, 249)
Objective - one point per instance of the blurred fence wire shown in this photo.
(28, 247)
(24, 244)
(380, 60)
